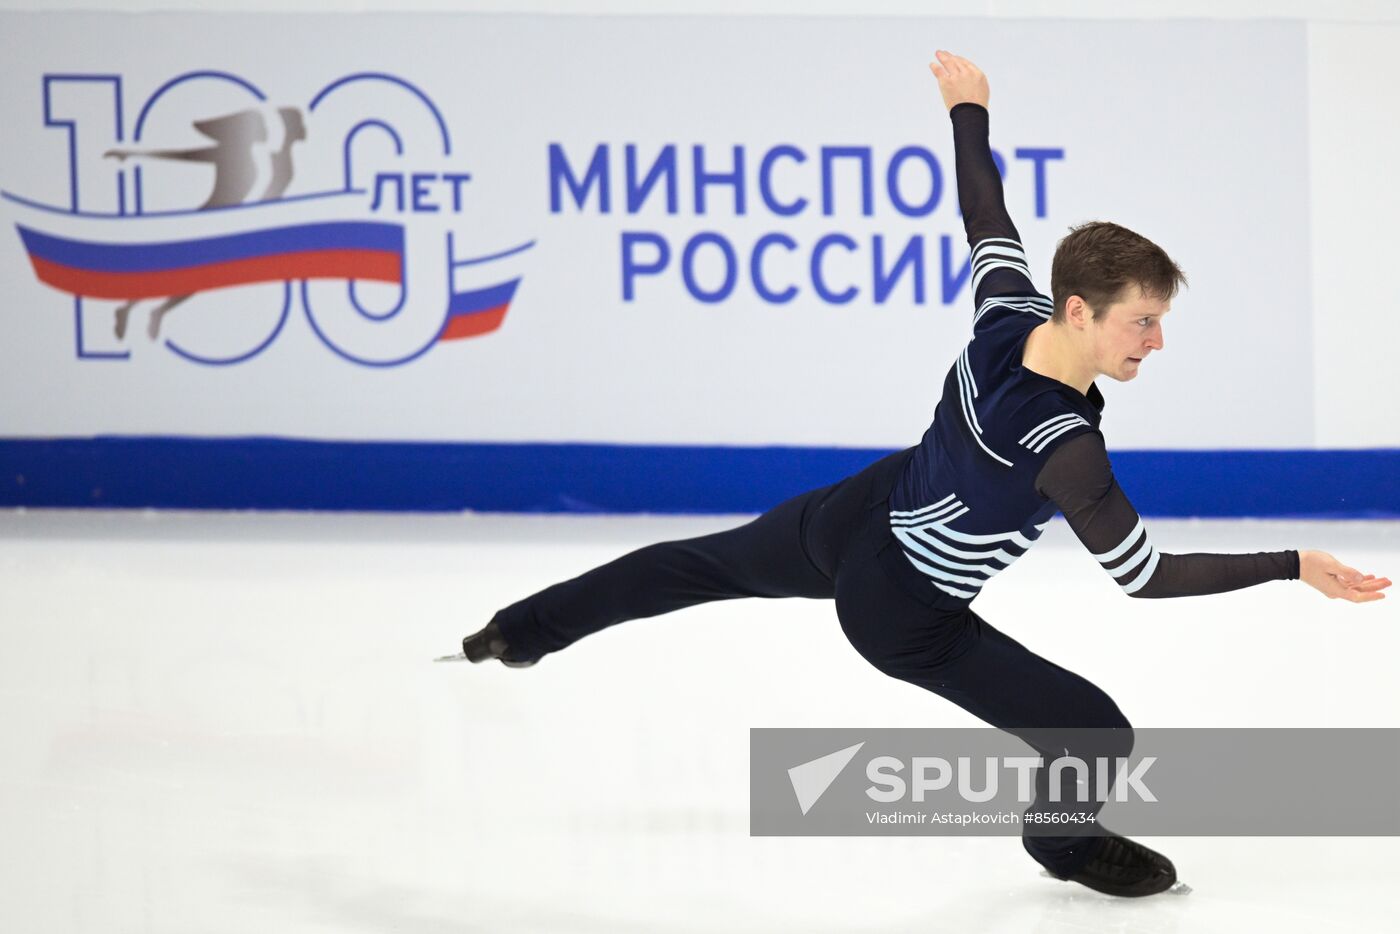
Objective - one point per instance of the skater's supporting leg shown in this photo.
(1055, 711)
(961, 657)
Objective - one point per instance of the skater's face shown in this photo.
(1127, 333)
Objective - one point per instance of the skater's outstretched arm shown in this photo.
(1079, 479)
(999, 264)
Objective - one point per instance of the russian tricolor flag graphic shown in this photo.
(124, 271)
(350, 250)
(477, 312)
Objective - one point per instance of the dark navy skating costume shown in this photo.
(905, 546)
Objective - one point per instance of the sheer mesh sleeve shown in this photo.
(1079, 479)
(999, 264)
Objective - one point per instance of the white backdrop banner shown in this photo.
(701, 231)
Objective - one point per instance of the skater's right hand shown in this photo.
(1330, 577)
(960, 81)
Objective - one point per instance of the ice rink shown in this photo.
(232, 723)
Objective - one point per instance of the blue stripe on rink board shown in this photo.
(180, 254)
(274, 473)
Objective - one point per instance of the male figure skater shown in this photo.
(904, 546)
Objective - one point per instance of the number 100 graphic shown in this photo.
(206, 221)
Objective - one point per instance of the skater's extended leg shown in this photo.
(763, 558)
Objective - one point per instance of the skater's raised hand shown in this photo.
(1329, 576)
(960, 81)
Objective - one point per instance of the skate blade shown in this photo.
(1178, 888)
(459, 657)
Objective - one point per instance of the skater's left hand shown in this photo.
(960, 81)
(1329, 576)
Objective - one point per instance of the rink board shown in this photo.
(269, 473)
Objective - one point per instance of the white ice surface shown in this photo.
(231, 723)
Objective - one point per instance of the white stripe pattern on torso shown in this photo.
(1040, 307)
(913, 536)
(928, 544)
(896, 514)
(967, 392)
(945, 513)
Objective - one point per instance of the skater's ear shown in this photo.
(1078, 313)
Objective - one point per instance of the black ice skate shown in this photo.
(1120, 866)
(485, 645)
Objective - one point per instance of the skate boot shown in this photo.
(1119, 866)
(489, 643)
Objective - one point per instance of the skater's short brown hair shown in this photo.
(1098, 260)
